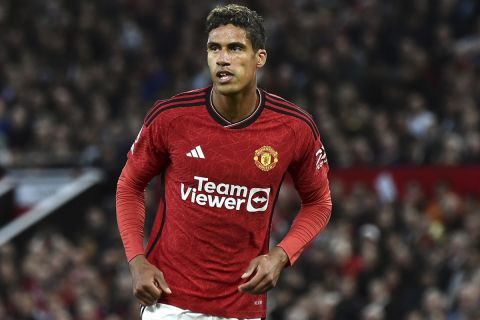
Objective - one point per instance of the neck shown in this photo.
(235, 107)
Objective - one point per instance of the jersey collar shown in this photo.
(239, 124)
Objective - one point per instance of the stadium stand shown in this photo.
(391, 84)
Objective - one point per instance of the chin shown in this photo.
(226, 89)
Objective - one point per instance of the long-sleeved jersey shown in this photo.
(221, 182)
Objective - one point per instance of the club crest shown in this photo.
(266, 158)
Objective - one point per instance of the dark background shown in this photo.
(391, 85)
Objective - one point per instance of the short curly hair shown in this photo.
(242, 17)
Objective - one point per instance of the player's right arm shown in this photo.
(148, 282)
(146, 159)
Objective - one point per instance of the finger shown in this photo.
(257, 278)
(141, 293)
(146, 299)
(262, 287)
(257, 288)
(250, 269)
(145, 302)
(150, 291)
(162, 284)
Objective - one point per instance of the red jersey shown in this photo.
(221, 182)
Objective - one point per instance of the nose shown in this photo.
(223, 58)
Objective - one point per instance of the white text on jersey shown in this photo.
(224, 195)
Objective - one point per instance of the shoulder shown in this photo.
(177, 105)
(291, 114)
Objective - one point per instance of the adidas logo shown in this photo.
(196, 153)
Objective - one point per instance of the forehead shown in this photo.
(227, 34)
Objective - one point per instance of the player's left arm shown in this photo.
(309, 171)
(310, 175)
(266, 270)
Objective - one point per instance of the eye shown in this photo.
(213, 47)
(237, 47)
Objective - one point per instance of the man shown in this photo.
(222, 153)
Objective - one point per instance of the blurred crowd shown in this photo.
(388, 82)
(56, 276)
(413, 259)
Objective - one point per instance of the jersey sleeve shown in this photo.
(149, 151)
(309, 171)
(146, 159)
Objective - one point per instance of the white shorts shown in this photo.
(161, 311)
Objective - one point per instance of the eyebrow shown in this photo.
(230, 44)
(233, 44)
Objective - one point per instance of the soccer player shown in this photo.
(222, 153)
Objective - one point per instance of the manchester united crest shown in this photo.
(266, 158)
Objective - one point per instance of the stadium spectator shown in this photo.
(389, 83)
(76, 78)
(395, 266)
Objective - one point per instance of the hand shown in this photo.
(267, 270)
(147, 281)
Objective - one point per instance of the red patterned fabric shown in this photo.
(221, 183)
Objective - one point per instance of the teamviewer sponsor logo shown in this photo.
(258, 199)
(226, 196)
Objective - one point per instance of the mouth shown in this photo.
(224, 76)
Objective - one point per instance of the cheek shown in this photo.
(249, 69)
(211, 64)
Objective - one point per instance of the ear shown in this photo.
(261, 57)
